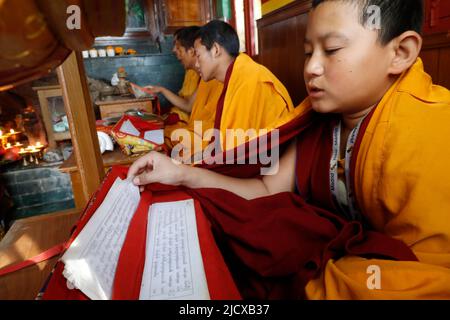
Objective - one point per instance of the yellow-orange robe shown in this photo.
(190, 85)
(203, 109)
(254, 99)
(402, 184)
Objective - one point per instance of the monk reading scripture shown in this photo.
(181, 49)
(371, 152)
(185, 53)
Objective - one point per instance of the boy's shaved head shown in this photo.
(187, 36)
(397, 16)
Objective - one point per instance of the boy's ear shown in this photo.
(216, 50)
(406, 48)
(191, 51)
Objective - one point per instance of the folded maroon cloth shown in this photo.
(275, 245)
(172, 119)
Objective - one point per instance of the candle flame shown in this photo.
(12, 131)
(8, 145)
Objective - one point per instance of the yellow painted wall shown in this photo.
(271, 5)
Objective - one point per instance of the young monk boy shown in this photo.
(253, 97)
(377, 150)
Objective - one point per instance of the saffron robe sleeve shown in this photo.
(402, 185)
(254, 99)
(190, 84)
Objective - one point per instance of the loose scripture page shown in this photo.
(156, 136)
(91, 260)
(173, 263)
(129, 128)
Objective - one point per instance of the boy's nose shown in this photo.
(314, 67)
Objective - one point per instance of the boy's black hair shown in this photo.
(222, 33)
(186, 36)
(176, 33)
(397, 16)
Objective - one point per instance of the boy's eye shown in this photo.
(332, 51)
(308, 54)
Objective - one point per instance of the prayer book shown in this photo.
(173, 261)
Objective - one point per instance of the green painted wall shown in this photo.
(223, 9)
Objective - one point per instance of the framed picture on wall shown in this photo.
(140, 22)
(137, 18)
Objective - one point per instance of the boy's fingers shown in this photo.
(140, 165)
(145, 178)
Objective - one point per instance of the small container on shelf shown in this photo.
(110, 51)
(119, 51)
(131, 52)
(93, 53)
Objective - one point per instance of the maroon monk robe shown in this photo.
(276, 244)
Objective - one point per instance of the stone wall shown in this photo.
(37, 191)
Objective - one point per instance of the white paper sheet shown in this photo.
(156, 136)
(129, 128)
(173, 264)
(91, 260)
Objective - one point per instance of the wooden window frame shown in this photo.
(249, 21)
(249, 25)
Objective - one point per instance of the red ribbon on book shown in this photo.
(43, 256)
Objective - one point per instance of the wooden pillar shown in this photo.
(80, 114)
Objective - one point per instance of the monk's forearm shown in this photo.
(201, 178)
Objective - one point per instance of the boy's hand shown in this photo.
(156, 89)
(156, 167)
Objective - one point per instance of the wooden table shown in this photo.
(27, 238)
(110, 158)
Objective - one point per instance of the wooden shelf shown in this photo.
(110, 158)
(118, 106)
(119, 99)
